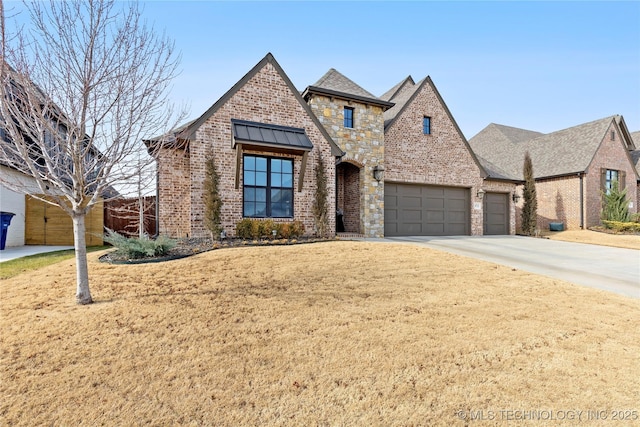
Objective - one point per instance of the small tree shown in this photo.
(87, 81)
(530, 206)
(320, 211)
(615, 206)
(212, 200)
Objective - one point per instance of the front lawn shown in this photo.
(335, 333)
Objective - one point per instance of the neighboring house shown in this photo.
(265, 142)
(572, 167)
(36, 222)
(635, 157)
(399, 162)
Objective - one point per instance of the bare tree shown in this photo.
(81, 86)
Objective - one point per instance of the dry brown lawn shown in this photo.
(629, 241)
(338, 333)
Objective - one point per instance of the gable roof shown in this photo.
(564, 152)
(635, 155)
(403, 96)
(187, 131)
(406, 94)
(335, 84)
(391, 93)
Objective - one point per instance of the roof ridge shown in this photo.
(335, 80)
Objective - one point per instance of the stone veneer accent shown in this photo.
(440, 158)
(364, 147)
(264, 98)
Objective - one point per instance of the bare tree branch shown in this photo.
(80, 89)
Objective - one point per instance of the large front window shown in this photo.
(268, 187)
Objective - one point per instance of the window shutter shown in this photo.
(621, 184)
(603, 179)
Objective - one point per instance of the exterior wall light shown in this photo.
(378, 172)
(480, 193)
(515, 197)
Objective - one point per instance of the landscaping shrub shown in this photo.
(615, 205)
(136, 248)
(243, 228)
(255, 229)
(297, 229)
(622, 227)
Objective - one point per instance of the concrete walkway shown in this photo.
(602, 267)
(13, 252)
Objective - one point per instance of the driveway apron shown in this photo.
(602, 267)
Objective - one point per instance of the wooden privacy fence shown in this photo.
(122, 215)
(47, 224)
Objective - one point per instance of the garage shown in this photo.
(426, 210)
(496, 213)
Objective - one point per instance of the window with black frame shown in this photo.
(348, 117)
(268, 187)
(611, 176)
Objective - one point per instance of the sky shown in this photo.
(541, 66)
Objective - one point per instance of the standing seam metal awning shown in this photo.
(270, 137)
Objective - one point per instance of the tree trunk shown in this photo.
(83, 295)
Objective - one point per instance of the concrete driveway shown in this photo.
(611, 269)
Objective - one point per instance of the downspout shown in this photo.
(581, 176)
(157, 200)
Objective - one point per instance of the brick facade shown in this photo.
(559, 199)
(264, 98)
(610, 155)
(440, 158)
(364, 148)
(265, 95)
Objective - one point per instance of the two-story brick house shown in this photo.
(572, 167)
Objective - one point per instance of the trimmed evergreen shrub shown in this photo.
(320, 214)
(622, 227)
(212, 200)
(615, 206)
(530, 206)
(254, 229)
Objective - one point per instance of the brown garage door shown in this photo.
(496, 213)
(425, 210)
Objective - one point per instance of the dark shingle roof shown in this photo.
(635, 155)
(391, 93)
(401, 97)
(334, 80)
(555, 154)
(333, 83)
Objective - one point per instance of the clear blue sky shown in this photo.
(542, 66)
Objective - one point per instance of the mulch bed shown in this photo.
(192, 246)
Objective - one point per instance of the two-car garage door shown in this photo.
(426, 210)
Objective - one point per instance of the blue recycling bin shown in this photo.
(5, 218)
